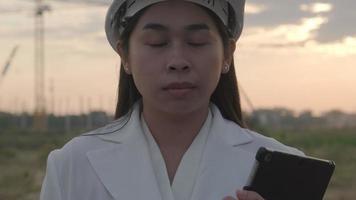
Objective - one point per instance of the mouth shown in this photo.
(179, 89)
(179, 86)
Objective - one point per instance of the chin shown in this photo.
(183, 108)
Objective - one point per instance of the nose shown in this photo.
(179, 67)
(178, 61)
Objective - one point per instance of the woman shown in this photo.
(179, 130)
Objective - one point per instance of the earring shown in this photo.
(226, 68)
(126, 68)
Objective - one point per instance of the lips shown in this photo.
(179, 86)
(179, 89)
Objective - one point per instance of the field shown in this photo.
(23, 159)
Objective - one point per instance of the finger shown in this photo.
(229, 198)
(248, 195)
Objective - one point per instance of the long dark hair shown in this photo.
(226, 95)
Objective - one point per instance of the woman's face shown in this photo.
(176, 57)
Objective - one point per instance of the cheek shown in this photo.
(212, 67)
(212, 60)
(142, 58)
(143, 68)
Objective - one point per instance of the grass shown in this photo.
(23, 158)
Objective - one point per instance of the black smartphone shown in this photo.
(282, 176)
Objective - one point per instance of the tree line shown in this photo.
(276, 118)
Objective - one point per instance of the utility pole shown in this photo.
(40, 119)
(247, 99)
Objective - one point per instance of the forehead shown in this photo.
(176, 14)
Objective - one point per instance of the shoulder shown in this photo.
(249, 140)
(105, 137)
(260, 140)
(70, 166)
(76, 149)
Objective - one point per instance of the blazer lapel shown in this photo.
(225, 164)
(125, 168)
(126, 171)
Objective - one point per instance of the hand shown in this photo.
(244, 195)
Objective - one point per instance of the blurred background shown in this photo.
(296, 66)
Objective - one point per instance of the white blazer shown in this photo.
(113, 163)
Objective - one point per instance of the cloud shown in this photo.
(316, 7)
(276, 12)
(253, 8)
(63, 21)
(341, 22)
(284, 36)
(339, 15)
(97, 2)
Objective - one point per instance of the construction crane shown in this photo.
(8, 63)
(40, 111)
(40, 119)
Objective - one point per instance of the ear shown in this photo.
(228, 55)
(123, 57)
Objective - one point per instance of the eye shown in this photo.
(197, 44)
(162, 44)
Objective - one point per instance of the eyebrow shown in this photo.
(197, 27)
(154, 26)
(191, 27)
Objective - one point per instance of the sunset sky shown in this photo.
(295, 54)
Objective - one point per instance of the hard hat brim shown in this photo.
(220, 8)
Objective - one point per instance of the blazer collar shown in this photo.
(129, 127)
(231, 133)
(226, 163)
(127, 166)
(125, 169)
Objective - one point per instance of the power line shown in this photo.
(247, 99)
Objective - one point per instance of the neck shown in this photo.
(172, 130)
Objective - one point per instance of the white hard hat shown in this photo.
(230, 12)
